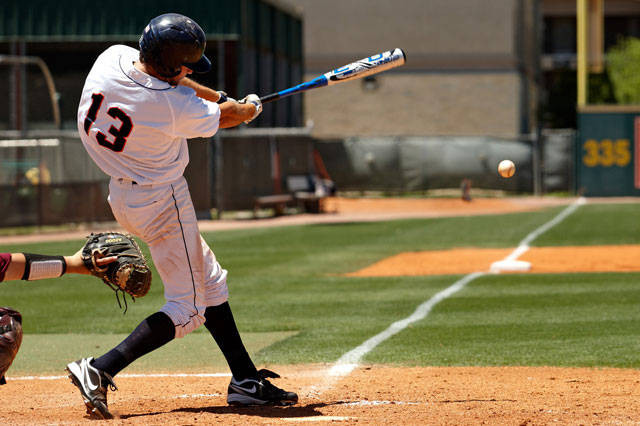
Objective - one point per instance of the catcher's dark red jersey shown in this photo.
(5, 260)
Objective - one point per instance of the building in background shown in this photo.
(471, 66)
(474, 67)
(621, 18)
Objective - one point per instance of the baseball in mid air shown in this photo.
(506, 168)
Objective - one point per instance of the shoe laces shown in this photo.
(265, 374)
(110, 383)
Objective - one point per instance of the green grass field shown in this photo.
(293, 306)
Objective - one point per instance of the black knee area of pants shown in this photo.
(153, 332)
(161, 324)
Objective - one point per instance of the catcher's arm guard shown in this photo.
(10, 339)
(130, 273)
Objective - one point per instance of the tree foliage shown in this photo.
(623, 63)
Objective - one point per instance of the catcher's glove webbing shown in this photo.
(10, 339)
(129, 273)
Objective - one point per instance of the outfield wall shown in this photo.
(47, 178)
(421, 163)
(608, 150)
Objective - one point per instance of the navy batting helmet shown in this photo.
(172, 40)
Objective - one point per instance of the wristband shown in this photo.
(223, 97)
(39, 267)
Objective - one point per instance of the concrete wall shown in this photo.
(418, 104)
(463, 73)
(426, 29)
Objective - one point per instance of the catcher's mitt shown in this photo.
(129, 273)
(10, 339)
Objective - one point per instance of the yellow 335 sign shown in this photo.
(606, 153)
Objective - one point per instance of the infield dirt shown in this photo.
(369, 395)
(622, 258)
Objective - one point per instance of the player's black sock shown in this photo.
(150, 334)
(222, 327)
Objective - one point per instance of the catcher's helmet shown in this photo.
(172, 40)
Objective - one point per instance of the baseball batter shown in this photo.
(136, 112)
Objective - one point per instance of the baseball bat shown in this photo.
(362, 68)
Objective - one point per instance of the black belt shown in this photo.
(123, 180)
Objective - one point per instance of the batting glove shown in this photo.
(255, 100)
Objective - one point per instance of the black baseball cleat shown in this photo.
(93, 385)
(259, 391)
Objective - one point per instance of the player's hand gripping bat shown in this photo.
(362, 68)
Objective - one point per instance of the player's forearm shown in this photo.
(35, 267)
(201, 91)
(15, 270)
(234, 113)
(75, 265)
(42, 266)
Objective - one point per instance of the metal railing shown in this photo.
(34, 60)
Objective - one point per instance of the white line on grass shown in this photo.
(349, 361)
(523, 247)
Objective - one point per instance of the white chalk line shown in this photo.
(351, 360)
(141, 375)
(364, 403)
(316, 419)
(523, 246)
(196, 395)
(510, 263)
(361, 403)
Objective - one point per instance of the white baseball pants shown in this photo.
(163, 217)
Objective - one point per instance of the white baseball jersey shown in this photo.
(135, 126)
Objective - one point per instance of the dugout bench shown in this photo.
(306, 192)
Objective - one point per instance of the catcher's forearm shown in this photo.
(28, 266)
(75, 265)
(15, 270)
(37, 267)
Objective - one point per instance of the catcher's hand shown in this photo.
(129, 272)
(10, 338)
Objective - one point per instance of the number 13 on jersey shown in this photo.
(120, 134)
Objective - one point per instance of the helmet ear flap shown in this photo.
(165, 71)
(151, 53)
